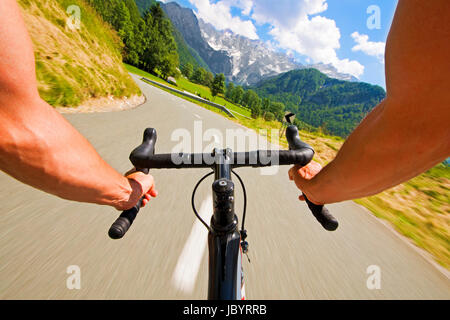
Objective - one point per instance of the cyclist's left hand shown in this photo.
(142, 185)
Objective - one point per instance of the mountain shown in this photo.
(73, 66)
(185, 21)
(335, 105)
(186, 54)
(251, 60)
(332, 72)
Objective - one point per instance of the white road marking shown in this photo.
(188, 265)
(197, 116)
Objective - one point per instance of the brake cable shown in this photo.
(193, 203)
(243, 232)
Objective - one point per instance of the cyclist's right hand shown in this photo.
(302, 176)
(142, 185)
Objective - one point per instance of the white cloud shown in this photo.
(286, 13)
(375, 49)
(315, 37)
(219, 15)
(246, 6)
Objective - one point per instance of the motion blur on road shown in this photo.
(164, 255)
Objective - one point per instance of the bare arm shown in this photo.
(37, 145)
(409, 131)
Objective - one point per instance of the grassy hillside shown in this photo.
(73, 66)
(335, 105)
(420, 210)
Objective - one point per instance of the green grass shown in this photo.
(184, 84)
(73, 66)
(205, 92)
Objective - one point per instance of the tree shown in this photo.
(229, 91)
(188, 70)
(252, 101)
(161, 53)
(199, 75)
(269, 116)
(147, 42)
(255, 107)
(237, 95)
(265, 106)
(246, 98)
(218, 84)
(250, 98)
(209, 79)
(277, 108)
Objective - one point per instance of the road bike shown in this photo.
(226, 243)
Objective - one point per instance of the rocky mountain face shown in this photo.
(186, 22)
(251, 60)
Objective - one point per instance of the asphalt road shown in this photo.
(164, 255)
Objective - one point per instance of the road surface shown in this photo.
(164, 256)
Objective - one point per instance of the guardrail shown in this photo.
(191, 96)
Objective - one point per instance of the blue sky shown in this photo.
(340, 32)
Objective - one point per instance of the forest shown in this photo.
(333, 105)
